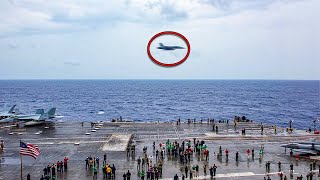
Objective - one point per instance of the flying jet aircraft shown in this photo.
(309, 148)
(169, 48)
(9, 113)
(39, 117)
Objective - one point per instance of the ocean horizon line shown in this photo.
(155, 79)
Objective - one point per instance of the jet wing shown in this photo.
(36, 117)
(8, 120)
(4, 114)
(306, 151)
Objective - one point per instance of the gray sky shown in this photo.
(230, 39)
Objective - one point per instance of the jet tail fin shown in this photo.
(39, 111)
(161, 44)
(51, 113)
(11, 109)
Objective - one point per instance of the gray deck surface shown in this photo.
(58, 140)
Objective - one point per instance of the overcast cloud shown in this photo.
(230, 39)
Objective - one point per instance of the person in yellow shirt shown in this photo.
(108, 171)
(90, 163)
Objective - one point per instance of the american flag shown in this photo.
(29, 150)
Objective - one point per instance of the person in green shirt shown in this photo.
(260, 154)
(95, 172)
(142, 174)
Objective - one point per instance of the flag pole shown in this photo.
(21, 177)
(21, 167)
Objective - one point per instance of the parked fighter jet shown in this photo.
(163, 47)
(310, 148)
(39, 116)
(11, 112)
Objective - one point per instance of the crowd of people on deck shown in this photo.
(147, 167)
(185, 152)
(93, 165)
(51, 171)
(150, 165)
(174, 151)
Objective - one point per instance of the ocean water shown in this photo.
(268, 101)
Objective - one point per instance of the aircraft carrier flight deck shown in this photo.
(124, 142)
